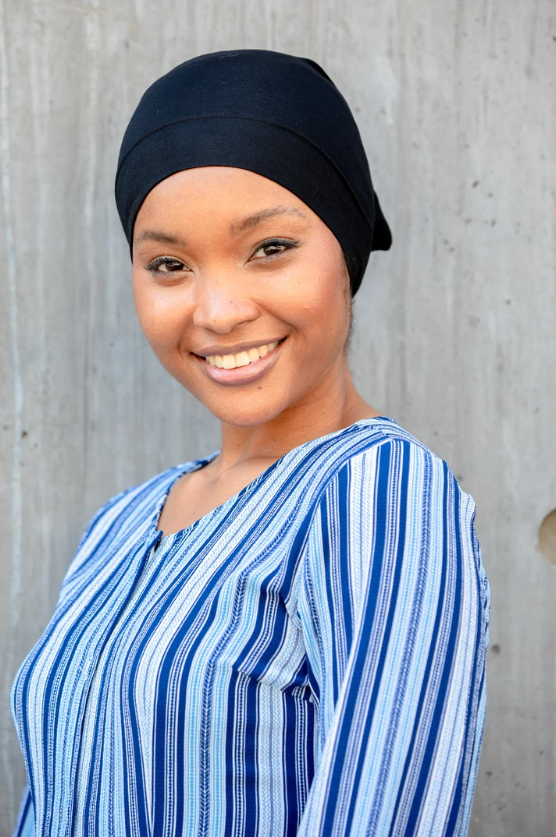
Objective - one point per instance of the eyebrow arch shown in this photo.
(258, 217)
(160, 237)
(235, 228)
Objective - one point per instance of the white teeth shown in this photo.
(242, 358)
(228, 362)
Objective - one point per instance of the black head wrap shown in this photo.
(270, 113)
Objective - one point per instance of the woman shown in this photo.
(286, 637)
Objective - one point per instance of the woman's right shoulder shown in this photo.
(126, 516)
(136, 501)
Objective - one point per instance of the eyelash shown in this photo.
(160, 260)
(287, 244)
(271, 242)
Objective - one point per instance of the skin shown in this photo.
(212, 288)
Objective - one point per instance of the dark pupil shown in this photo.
(272, 248)
(173, 265)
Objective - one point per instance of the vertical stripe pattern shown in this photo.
(307, 659)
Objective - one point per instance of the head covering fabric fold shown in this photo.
(270, 113)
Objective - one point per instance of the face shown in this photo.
(242, 292)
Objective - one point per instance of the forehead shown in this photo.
(219, 189)
(201, 203)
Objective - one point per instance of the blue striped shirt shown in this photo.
(307, 659)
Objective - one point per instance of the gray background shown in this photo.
(455, 327)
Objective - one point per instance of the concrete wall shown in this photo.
(456, 326)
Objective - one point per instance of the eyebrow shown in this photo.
(160, 237)
(264, 214)
(236, 227)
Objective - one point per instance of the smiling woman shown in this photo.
(286, 637)
(249, 268)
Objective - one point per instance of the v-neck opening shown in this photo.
(199, 464)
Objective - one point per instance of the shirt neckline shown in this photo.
(197, 464)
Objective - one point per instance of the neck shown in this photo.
(333, 405)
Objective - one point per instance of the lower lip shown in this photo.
(241, 374)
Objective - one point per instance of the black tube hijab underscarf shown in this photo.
(270, 113)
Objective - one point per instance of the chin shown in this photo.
(244, 411)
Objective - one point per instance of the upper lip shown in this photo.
(235, 349)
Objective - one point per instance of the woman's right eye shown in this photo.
(166, 264)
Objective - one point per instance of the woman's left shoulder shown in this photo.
(366, 438)
(380, 453)
(388, 488)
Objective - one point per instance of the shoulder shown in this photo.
(378, 462)
(365, 436)
(391, 495)
(134, 502)
(126, 515)
(373, 440)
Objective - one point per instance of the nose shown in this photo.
(220, 306)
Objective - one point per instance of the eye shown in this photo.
(273, 247)
(166, 264)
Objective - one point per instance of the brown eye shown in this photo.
(166, 264)
(272, 248)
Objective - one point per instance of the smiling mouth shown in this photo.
(242, 358)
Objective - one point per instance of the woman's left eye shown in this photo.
(272, 248)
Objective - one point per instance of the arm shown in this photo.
(25, 826)
(394, 610)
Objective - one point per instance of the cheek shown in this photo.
(325, 312)
(160, 315)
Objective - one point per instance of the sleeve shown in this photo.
(394, 608)
(115, 519)
(25, 825)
